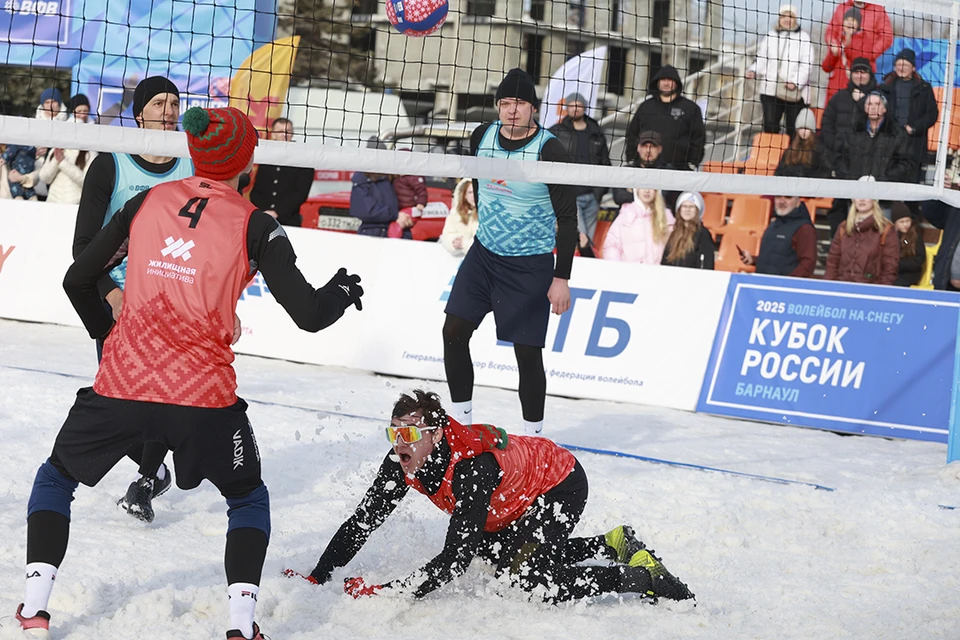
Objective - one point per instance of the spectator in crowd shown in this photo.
(866, 247)
(789, 244)
(649, 155)
(678, 120)
(805, 157)
(846, 106)
(857, 29)
(411, 198)
(585, 143)
(912, 105)
(946, 264)
(877, 146)
(280, 191)
(64, 172)
(641, 230)
(913, 253)
(80, 109)
(462, 222)
(374, 202)
(783, 64)
(24, 162)
(690, 244)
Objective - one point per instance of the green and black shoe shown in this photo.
(663, 584)
(624, 542)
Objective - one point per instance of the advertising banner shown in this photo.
(845, 357)
(36, 22)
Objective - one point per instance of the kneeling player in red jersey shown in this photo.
(513, 501)
(167, 370)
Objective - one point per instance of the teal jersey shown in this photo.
(516, 218)
(131, 179)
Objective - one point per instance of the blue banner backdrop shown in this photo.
(845, 357)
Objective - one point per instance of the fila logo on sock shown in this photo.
(237, 450)
(36, 574)
(178, 248)
(248, 594)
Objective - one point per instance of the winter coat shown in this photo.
(784, 56)
(923, 111)
(410, 190)
(911, 268)
(867, 255)
(819, 166)
(598, 151)
(454, 228)
(65, 178)
(373, 201)
(630, 237)
(875, 37)
(886, 155)
(789, 245)
(679, 123)
(702, 256)
(843, 113)
(283, 190)
(943, 216)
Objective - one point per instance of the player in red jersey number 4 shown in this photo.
(167, 369)
(513, 501)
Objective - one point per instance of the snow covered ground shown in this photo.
(877, 558)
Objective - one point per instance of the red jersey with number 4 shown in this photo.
(187, 265)
(530, 467)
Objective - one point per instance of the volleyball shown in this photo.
(417, 18)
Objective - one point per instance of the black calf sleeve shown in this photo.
(47, 536)
(151, 458)
(244, 555)
(457, 362)
(533, 381)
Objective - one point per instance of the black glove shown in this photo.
(346, 287)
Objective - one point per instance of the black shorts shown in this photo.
(213, 444)
(513, 287)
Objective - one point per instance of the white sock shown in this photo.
(40, 577)
(533, 428)
(243, 606)
(162, 472)
(462, 412)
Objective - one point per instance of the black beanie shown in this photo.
(908, 55)
(79, 100)
(148, 88)
(518, 84)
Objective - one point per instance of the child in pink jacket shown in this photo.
(641, 230)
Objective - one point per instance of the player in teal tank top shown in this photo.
(112, 180)
(510, 268)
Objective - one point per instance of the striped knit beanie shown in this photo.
(221, 141)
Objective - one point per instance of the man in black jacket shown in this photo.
(585, 143)
(877, 146)
(912, 104)
(678, 120)
(789, 244)
(846, 107)
(280, 191)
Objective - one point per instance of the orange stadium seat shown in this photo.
(933, 134)
(750, 212)
(817, 203)
(715, 212)
(765, 153)
(728, 258)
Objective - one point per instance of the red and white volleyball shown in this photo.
(416, 17)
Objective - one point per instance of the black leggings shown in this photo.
(774, 109)
(537, 552)
(458, 365)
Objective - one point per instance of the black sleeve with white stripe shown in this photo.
(272, 254)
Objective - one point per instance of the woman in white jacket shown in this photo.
(64, 172)
(461, 225)
(783, 66)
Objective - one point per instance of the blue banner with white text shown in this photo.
(839, 356)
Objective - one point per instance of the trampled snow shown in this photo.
(876, 558)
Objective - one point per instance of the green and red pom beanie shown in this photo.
(221, 141)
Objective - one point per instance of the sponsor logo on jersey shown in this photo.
(178, 248)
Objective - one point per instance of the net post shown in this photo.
(953, 437)
(939, 173)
